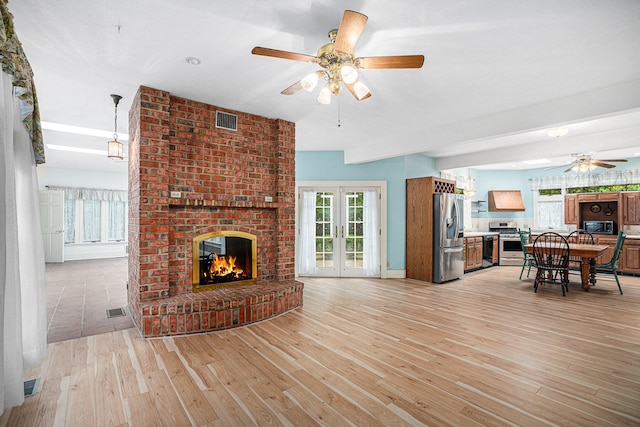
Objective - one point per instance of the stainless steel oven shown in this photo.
(510, 251)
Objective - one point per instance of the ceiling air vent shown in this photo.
(226, 121)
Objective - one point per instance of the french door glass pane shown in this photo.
(324, 225)
(353, 239)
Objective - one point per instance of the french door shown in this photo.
(339, 232)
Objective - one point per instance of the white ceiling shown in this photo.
(498, 73)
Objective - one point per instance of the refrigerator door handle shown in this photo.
(457, 209)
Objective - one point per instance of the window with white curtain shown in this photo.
(550, 214)
(95, 221)
(94, 215)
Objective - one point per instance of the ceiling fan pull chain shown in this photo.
(338, 110)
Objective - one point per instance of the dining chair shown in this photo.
(551, 258)
(525, 239)
(612, 265)
(581, 237)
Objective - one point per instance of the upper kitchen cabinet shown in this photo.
(631, 207)
(598, 197)
(505, 201)
(571, 209)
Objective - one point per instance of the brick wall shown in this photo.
(223, 178)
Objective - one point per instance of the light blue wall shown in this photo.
(486, 180)
(329, 166)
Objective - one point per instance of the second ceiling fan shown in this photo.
(586, 163)
(338, 62)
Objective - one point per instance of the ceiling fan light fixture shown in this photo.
(583, 167)
(349, 74)
(338, 62)
(325, 96)
(361, 90)
(310, 82)
(558, 132)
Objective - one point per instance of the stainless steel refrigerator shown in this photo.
(448, 237)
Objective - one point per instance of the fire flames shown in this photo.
(224, 267)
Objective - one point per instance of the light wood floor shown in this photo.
(484, 350)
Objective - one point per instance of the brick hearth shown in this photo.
(187, 178)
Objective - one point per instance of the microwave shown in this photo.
(598, 227)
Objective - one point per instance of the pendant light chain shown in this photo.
(338, 110)
(116, 100)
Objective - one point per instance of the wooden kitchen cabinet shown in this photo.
(495, 256)
(598, 197)
(630, 256)
(606, 256)
(472, 253)
(630, 207)
(629, 261)
(571, 209)
(477, 260)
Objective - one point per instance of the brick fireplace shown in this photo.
(190, 180)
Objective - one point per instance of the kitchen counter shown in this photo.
(480, 233)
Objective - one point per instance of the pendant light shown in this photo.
(115, 147)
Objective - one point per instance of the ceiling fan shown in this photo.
(338, 62)
(586, 163)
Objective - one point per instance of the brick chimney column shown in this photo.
(148, 197)
(286, 193)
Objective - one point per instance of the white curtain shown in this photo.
(371, 255)
(91, 193)
(619, 177)
(91, 220)
(307, 241)
(116, 221)
(550, 214)
(69, 220)
(22, 278)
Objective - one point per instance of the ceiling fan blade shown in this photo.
(292, 89)
(353, 91)
(349, 31)
(265, 51)
(568, 170)
(602, 165)
(612, 160)
(402, 61)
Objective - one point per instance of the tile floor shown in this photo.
(79, 293)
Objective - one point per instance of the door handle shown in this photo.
(336, 231)
(342, 228)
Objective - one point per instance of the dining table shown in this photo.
(588, 254)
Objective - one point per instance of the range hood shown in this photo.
(505, 201)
